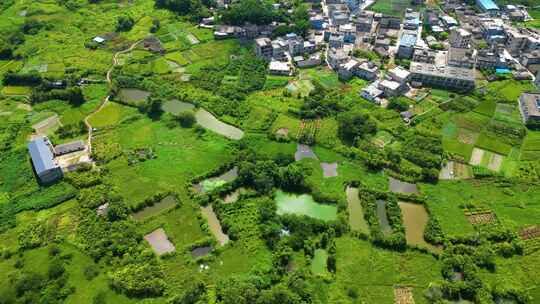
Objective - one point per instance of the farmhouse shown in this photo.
(279, 68)
(71, 147)
(46, 168)
(529, 105)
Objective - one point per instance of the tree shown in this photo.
(398, 104)
(117, 211)
(156, 25)
(56, 269)
(249, 11)
(355, 124)
(292, 177)
(124, 23)
(186, 119)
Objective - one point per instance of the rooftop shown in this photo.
(487, 5)
(407, 39)
(442, 71)
(42, 155)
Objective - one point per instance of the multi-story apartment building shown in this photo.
(442, 76)
(460, 38)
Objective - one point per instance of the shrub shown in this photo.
(186, 119)
(124, 23)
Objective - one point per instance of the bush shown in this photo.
(124, 23)
(90, 272)
(56, 269)
(142, 280)
(186, 119)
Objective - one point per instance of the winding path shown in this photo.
(104, 102)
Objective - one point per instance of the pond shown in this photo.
(209, 121)
(133, 96)
(159, 242)
(176, 106)
(318, 264)
(304, 151)
(304, 204)
(398, 186)
(383, 218)
(201, 251)
(204, 118)
(356, 213)
(165, 203)
(415, 219)
(214, 225)
(212, 183)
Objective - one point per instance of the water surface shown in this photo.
(212, 183)
(356, 213)
(165, 203)
(383, 218)
(133, 96)
(415, 219)
(304, 204)
(214, 225)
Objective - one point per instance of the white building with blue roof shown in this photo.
(46, 168)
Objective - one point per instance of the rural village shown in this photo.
(270, 151)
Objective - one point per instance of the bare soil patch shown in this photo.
(495, 162)
(531, 232)
(403, 295)
(467, 136)
(487, 217)
(476, 157)
(329, 169)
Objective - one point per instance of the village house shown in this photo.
(367, 70)
(336, 57)
(460, 38)
(372, 93)
(406, 46)
(390, 88)
(462, 58)
(529, 105)
(279, 68)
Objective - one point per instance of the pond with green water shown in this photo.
(304, 204)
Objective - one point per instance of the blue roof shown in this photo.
(41, 154)
(502, 71)
(487, 5)
(408, 40)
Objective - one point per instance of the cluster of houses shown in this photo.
(437, 48)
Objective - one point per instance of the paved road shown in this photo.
(100, 107)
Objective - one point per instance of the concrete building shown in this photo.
(488, 6)
(516, 41)
(336, 57)
(442, 76)
(364, 22)
(296, 44)
(263, 48)
(390, 88)
(529, 106)
(424, 55)
(490, 59)
(347, 70)
(400, 75)
(412, 20)
(389, 22)
(41, 153)
(70, 147)
(537, 80)
(279, 68)
(460, 38)
(493, 30)
(449, 22)
(372, 93)
(317, 22)
(461, 58)
(367, 70)
(406, 46)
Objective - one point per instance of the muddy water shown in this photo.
(133, 96)
(201, 251)
(356, 213)
(415, 219)
(402, 187)
(214, 225)
(176, 106)
(383, 217)
(166, 203)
